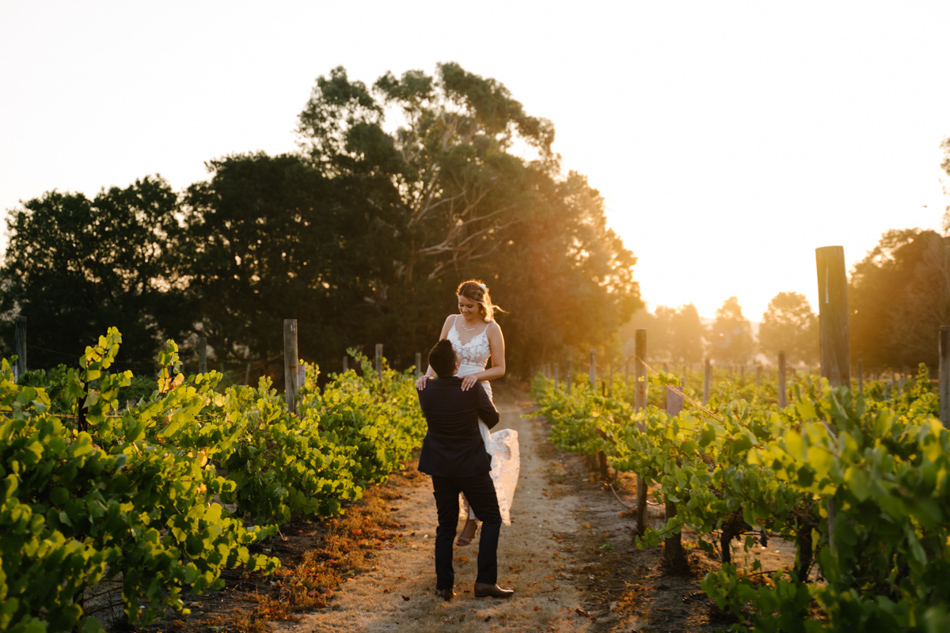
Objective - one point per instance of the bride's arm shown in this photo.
(429, 373)
(497, 343)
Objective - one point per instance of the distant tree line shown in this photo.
(680, 336)
(397, 192)
(899, 297)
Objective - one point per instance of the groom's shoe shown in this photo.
(446, 594)
(484, 590)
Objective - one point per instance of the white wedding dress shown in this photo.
(501, 445)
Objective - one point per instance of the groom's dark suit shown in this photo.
(453, 453)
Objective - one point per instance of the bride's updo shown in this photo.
(478, 292)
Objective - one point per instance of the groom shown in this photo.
(453, 453)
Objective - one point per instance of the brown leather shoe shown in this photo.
(446, 594)
(484, 590)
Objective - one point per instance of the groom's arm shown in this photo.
(486, 408)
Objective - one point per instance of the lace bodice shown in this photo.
(474, 355)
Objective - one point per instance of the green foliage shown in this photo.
(143, 492)
(75, 266)
(861, 487)
(899, 298)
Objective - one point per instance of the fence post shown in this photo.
(346, 363)
(290, 364)
(707, 380)
(834, 338)
(782, 383)
(944, 346)
(833, 316)
(247, 374)
(21, 366)
(673, 552)
(593, 369)
(418, 364)
(379, 361)
(640, 403)
(202, 354)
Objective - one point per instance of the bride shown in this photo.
(477, 338)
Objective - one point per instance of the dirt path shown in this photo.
(536, 557)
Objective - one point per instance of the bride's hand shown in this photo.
(468, 382)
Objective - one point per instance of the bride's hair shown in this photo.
(476, 291)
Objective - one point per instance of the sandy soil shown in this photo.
(534, 553)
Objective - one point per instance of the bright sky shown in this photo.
(729, 139)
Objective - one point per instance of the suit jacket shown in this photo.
(453, 446)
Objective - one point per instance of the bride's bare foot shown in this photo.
(468, 533)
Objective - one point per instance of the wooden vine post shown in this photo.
(833, 316)
(418, 364)
(379, 361)
(640, 403)
(782, 383)
(707, 380)
(593, 369)
(944, 347)
(834, 338)
(290, 364)
(20, 367)
(673, 553)
(202, 354)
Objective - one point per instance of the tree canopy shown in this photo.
(730, 335)
(398, 191)
(76, 266)
(900, 296)
(789, 325)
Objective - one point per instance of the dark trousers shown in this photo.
(480, 492)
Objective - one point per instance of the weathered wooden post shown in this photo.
(707, 380)
(379, 361)
(860, 377)
(21, 366)
(673, 553)
(782, 383)
(944, 351)
(834, 337)
(640, 403)
(570, 377)
(202, 354)
(247, 374)
(290, 364)
(593, 369)
(557, 376)
(346, 363)
(418, 364)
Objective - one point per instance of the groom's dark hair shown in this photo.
(442, 358)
